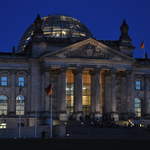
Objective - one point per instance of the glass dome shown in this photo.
(58, 27)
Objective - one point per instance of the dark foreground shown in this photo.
(69, 144)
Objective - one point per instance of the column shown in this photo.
(78, 92)
(28, 101)
(107, 99)
(146, 96)
(130, 99)
(124, 92)
(114, 114)
(96, 106)
(35, 87)
(12, 100)
(62, 95)
(47, 98)
(43, 92)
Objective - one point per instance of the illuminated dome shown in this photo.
(57, 27)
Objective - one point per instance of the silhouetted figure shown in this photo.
(43, 134)
(81, 118)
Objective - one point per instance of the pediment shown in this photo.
(90, 49)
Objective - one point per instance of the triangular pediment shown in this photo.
(90, 49)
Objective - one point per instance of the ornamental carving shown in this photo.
(89, 51)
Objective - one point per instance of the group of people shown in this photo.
(91, 120)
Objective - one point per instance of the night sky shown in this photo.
(102, 17)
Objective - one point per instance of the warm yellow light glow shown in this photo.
(70, 91)
(63, 32)
(86, 91)
(2, 125)
(82, 34)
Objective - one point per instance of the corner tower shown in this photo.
(125, 40)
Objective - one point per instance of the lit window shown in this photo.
(137, 107)
(3, 104)
(70, 91)
(3, 125)
(20, 105)
(138, 85)
(21, 81)
(86, 92)
(4, 81)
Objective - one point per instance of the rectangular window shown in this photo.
(3, 81)
(138, 85)
(3, 125)
(21, 81)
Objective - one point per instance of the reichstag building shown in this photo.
(88, 76)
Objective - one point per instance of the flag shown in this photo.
(49, 90)
(142, 45)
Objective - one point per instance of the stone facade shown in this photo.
(113, 73)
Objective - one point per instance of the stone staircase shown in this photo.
(78, 130)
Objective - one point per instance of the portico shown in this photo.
(98, 91)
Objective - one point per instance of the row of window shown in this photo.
(85, 89)
(20, 103)
(21, 82)
(4, 81)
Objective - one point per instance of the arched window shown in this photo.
(3, 104)
(20, 105)
(137, 107)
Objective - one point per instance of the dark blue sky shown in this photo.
(103, 18)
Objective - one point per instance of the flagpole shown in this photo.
(48, 91)
(51, 117)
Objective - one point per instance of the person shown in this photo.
(81, 118)
(43, 134)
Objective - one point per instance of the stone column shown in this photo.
(114, 114)
(28, 101)
(43, 92)
(124, 92)
(78, 92)
(47, 98)
(62, 95)
(12, 101)
(107, 99)
(35, 87)
(96, 106)
(146, 96)
(130, 97)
